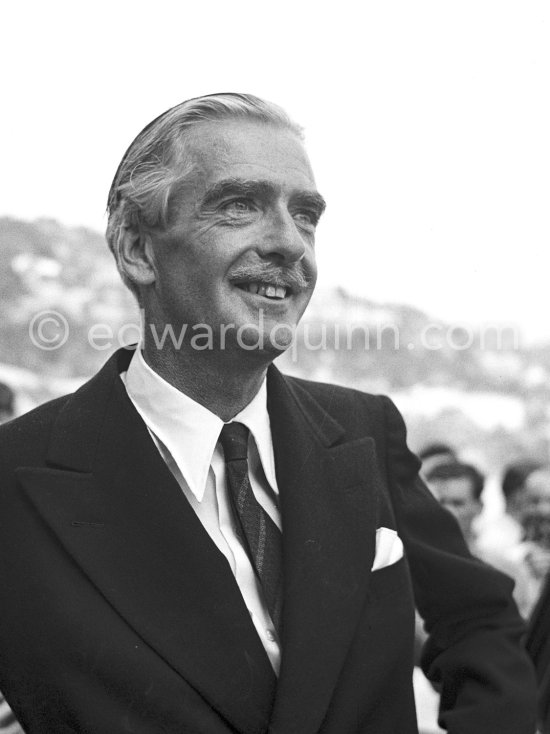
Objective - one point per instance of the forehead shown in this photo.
(246, 149)
(455, 488)
(538, 485)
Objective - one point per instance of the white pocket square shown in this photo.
(389, 548)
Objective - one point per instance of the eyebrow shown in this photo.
(262, 189)
(311, 199)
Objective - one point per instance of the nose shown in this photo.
(281, 241)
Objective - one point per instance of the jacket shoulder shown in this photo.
(366, 414)
(25, 438)
(331, 395)
(350, 407)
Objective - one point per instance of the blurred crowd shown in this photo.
(522, 550)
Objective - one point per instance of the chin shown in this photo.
(270, 341)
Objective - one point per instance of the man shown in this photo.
(152, 589)
(435, 454)
(532, 554)
(513, 491)
(458, 488)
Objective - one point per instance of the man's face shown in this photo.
(456, 495)
(431, 462)
(535, 507)
(239, 252)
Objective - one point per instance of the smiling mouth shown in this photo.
(267, 290)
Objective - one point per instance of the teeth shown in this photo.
(266, 290)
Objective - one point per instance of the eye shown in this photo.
(238, 207)
(306, 218)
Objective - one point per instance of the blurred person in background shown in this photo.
(533, 514)
(458, 488)
(526, 487)
(513, 486)
(426, 697)
(529, 491)
(433, 455)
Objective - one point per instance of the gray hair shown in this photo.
(155, 163)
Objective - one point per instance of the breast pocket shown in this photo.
(389, 580)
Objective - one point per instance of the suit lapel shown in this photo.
(118, 511)
(328, 518)
(121, 515)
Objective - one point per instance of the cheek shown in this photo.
(312, 274)
(311, 270)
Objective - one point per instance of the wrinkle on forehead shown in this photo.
(244, 149)
(219, 144)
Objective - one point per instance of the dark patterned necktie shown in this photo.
(260, 536)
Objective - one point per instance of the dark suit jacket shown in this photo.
(538, 647)
(120, 614)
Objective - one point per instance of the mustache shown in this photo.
(291, 276)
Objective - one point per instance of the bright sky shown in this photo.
(427, 122)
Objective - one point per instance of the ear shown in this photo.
(134, 257)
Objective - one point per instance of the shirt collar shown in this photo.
(189, 430)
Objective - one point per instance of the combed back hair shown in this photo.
(157, 162)
(458, 470)
(436, 449)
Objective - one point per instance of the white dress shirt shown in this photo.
(186, 434)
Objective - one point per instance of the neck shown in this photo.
(223, 384)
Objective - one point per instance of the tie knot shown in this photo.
(234, 440)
